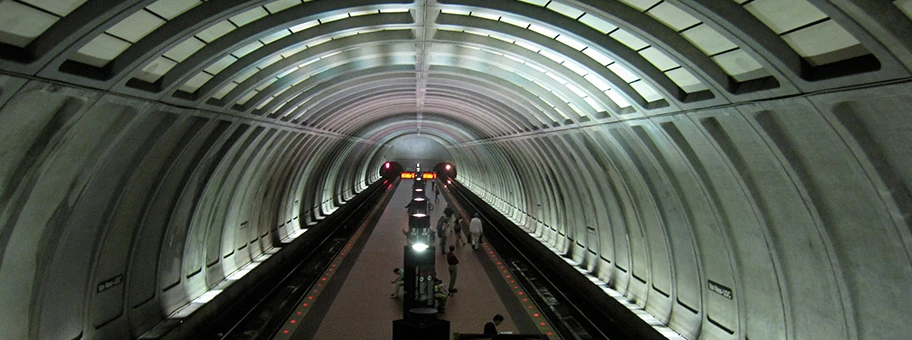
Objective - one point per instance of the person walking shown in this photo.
(442, 233)
(452, 261)
(456, 222)
(397, 283)
(475, 229)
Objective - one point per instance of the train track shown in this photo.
(262, 311)
(571, 314)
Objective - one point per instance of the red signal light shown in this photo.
(387, 165)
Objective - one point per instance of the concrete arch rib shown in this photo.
(67, 35)
(328, 81)
(473, 114)
(621, 53)
(466, 48)
(406, 105)
(453, 132)
(623, 87)
(291, 42)
(313, 87)
(368, 94)
(461, 86)
(174, 31)
(357, 61)
(252, 32)
(325, 69)
(146, 49)
(285, 102)
(407, 108)
(480, 73)
(549, 105)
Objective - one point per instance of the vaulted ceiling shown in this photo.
(464, 70)
(675, 150)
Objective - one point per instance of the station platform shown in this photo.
(353, 301)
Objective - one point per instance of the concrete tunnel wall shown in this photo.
(799, 206)
(789, 188)
(165, 201)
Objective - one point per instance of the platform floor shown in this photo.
(361, 307)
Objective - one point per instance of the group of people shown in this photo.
(449, 223)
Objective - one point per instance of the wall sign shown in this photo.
(720, 289)
(109, 283)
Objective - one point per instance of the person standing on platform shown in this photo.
(456, 222)
(397, 283)
(436, 195)
(442, 233)
(452, 261)
(475, 229)
(491, 326)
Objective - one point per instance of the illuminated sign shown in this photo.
(424, 175)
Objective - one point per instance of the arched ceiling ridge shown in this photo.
(495, 105)
(488, 126)
(344, 85)
(557, 105)
(367, 94)
(530, 65)
(327, 71)
(522, 73)
(394, 75)
(238, 39)
(257, 29)
(291, 67)
(562, 25)
(644, 26)
(452, 130)
(253, 59)
(311, 88)
(268, 92)
(504, 66)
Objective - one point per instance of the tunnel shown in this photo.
(732, 169)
